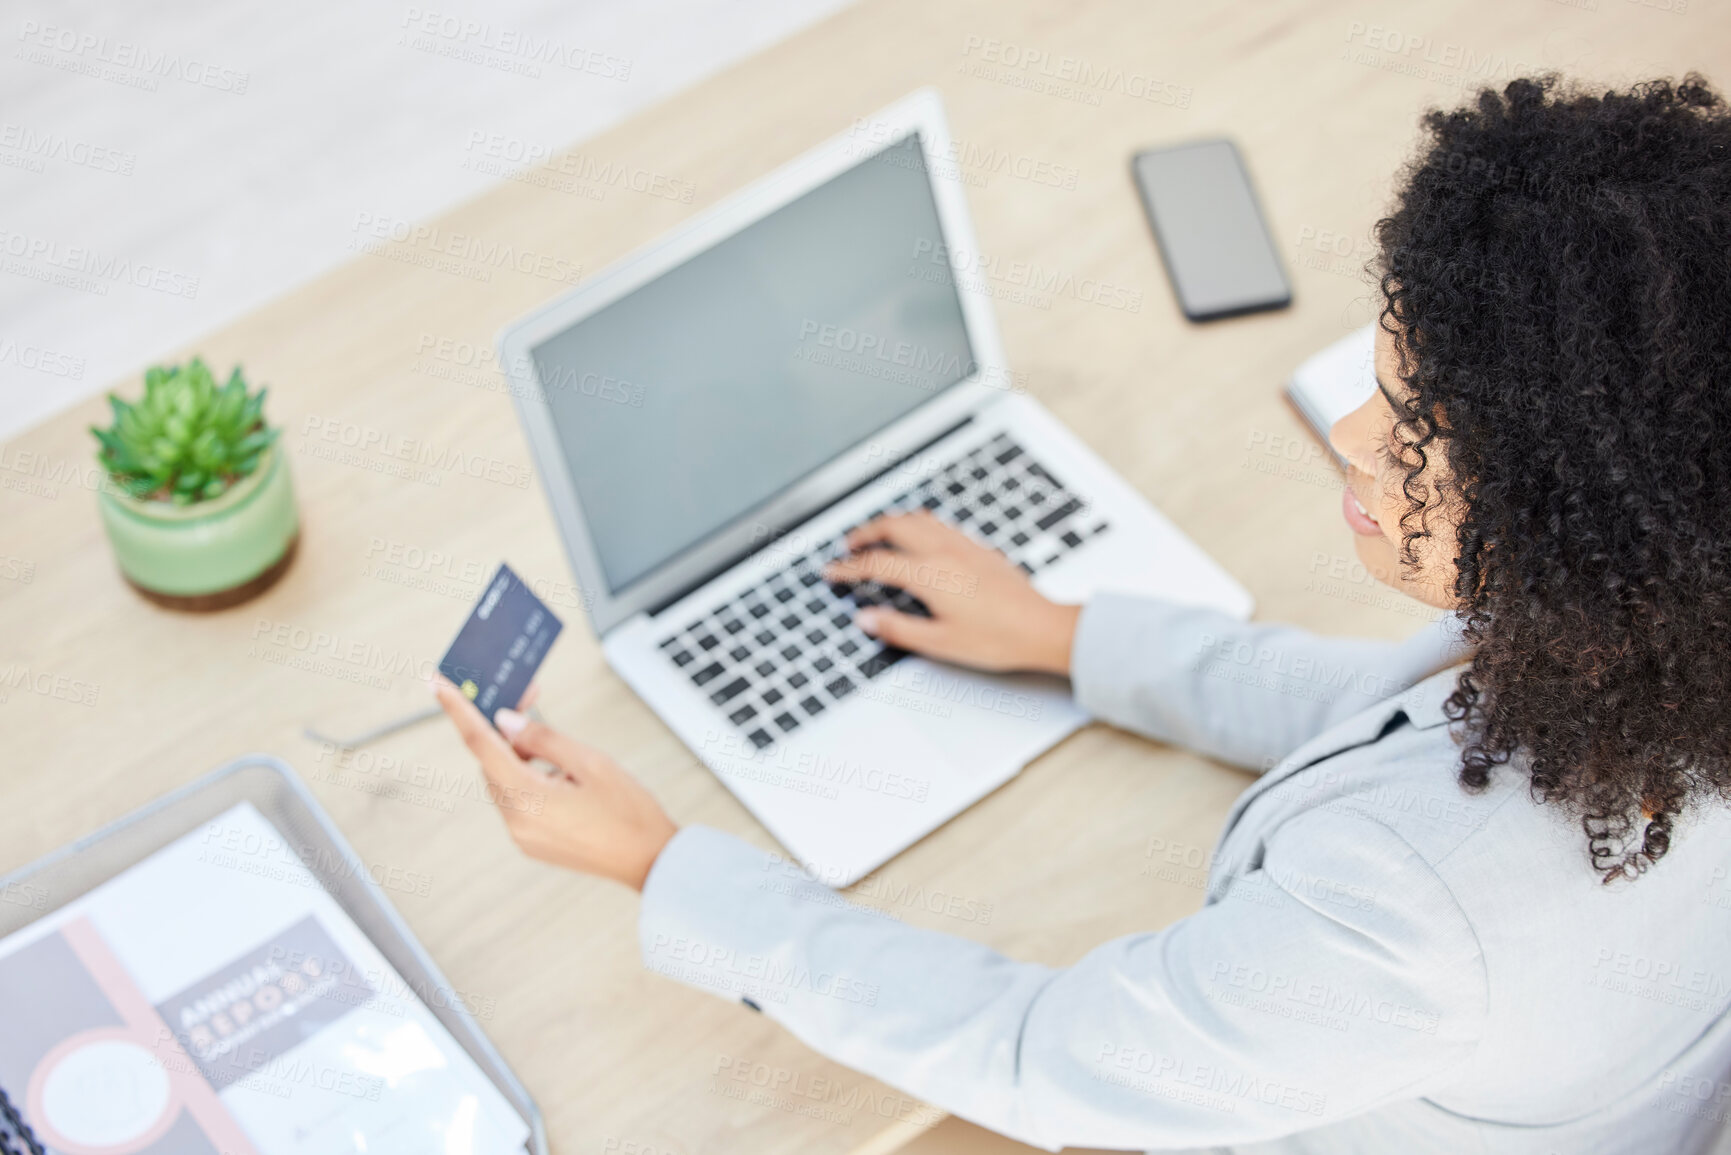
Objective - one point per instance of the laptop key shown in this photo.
(1019, 538)
(758, 610)
(764, 637)
(760, 738)
(797, 679)
(682, 658)
(822, 665)
(841, 620)
(771, 696)
(871, 664)
(840, 688)
(790, 622)
(790, 652)
(743, 715)
(848, 648)
(1053, 517)
(729, 692)
(907, 603)
(784, 595)
(708, 674)
(764, 669)
(813, 706)
(708, 642)
(868, 594)
(787, 722)
(809, 578)
(733, 625)
(739, 653)
(1070, 539)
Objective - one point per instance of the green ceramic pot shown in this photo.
(208, 554)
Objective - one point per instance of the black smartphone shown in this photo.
(1216, 246)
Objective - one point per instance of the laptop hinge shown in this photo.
(662, 606)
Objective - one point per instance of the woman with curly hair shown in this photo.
(1481, 902)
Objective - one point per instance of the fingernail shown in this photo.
(867, 620)
(510, 722)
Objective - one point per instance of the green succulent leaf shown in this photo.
(230, 402)
(254, 441)
(187, 438)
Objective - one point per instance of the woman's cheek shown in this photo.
(1378, 557)
(1394, 504)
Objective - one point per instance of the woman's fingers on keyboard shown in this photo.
(868, 565)
(904, 631)
(919, 554)
(909, 532)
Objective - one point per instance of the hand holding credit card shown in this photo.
(500, 647)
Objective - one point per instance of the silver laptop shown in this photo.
(710, 416)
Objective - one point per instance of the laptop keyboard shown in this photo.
(781, 653)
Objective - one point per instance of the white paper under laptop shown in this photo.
(1334, 381)
(710, 416)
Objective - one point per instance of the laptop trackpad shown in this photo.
(844, 795)
(990, 725)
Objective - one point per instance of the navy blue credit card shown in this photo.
(501, 645)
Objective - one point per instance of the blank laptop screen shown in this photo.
(728, 378)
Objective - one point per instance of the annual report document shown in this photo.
(214, 999)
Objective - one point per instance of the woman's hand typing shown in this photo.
(985, 612)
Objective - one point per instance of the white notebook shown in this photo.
(1333, 382)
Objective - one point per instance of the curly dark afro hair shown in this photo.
(1556, 275)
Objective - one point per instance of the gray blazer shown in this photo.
(1384, 964)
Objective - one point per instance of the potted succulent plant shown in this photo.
(198, 504)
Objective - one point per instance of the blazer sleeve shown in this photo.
(1340, 976)
(1245, 693)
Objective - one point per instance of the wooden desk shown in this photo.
(376, 362)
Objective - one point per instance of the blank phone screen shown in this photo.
(1211, 233)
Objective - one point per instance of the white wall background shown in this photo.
(168, 166)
